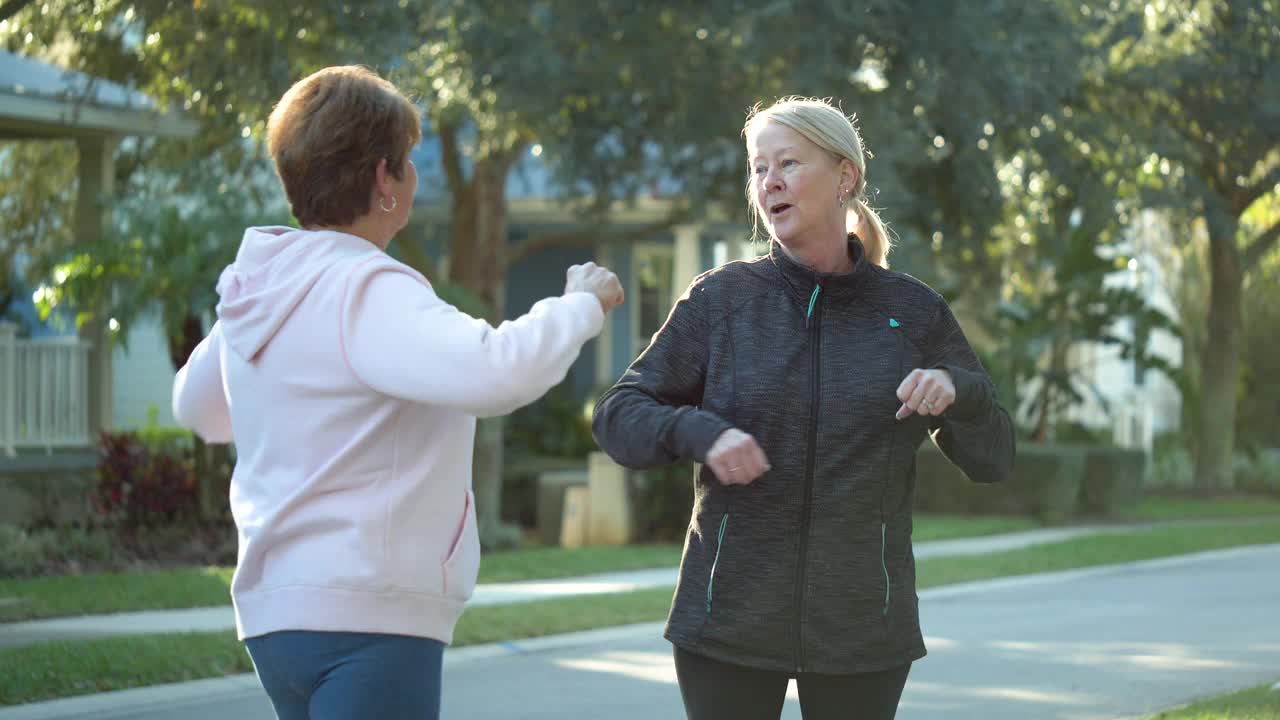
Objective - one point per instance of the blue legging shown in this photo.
(342, 676)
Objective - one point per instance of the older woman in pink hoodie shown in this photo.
(351, 391)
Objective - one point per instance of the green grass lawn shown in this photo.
(77, 667)
(202, 587)
(1260, 703)
(1105, 549)
(949, 527)
(64, 595)
(554, 562)
(1157, 507)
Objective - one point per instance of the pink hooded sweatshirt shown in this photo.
(351, 391)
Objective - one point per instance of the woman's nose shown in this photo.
(772, 181)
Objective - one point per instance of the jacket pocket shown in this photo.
(715, 562)
(462, 563)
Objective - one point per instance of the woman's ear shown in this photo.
(849, 176)
(382, 178)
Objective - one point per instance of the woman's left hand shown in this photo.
(927, 392)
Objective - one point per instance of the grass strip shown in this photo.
(68, 595)
(74, 667)
(1259, 703)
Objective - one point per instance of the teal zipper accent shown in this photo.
(885, 568)
(724, 523)
(813, 299)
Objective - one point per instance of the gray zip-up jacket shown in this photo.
(809, 568)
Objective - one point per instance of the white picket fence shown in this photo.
(44, 392)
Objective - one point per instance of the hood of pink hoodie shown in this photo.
(274, 270)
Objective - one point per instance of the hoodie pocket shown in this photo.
(462, 563)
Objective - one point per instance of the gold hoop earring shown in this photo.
(382, 203)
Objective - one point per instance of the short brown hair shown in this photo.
(326, 136)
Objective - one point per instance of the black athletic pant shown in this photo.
(714, 690)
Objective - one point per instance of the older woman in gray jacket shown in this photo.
(803, 382)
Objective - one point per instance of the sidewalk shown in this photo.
(209, 619)
(1003, 649)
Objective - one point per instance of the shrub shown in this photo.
(1257, 473)
(21, 554)
(1170, 467)
(557, 425)
(25, 553)
(1046, 481)
(662, 501)
(1074, 433)
(140, 487)
(941, 487)
(1045, 484)
(1112, 480)
(164, 438)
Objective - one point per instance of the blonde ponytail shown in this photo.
(873, 233)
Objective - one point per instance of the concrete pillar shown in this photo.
(97, 182)
(606, 374)
(688, 258)
(573, 524)
(608, 505)
(9, 386)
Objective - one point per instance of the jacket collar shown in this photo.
(803, 279)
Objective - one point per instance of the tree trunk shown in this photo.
(181, 347)
(477, 261)
(1048, 390)
(1041, 433)
(1219, 364)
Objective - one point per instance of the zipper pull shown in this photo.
(813, 300)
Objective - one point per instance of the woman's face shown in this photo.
(795, 185)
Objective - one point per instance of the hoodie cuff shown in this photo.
(589, 306)
(973, 393)
(695, 431)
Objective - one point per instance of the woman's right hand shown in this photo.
(736, 458)
(591, 278)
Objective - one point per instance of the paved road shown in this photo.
(1107, 643)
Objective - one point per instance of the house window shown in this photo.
(653, 265)
(719, 253)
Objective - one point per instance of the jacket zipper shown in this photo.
(815, 325)
(893, 444)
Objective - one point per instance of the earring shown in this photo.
(382, 203)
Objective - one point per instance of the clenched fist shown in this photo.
(591, 278)
(926, 392)
(736, 458)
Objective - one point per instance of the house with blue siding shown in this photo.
(56, 382)
(654, 270)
